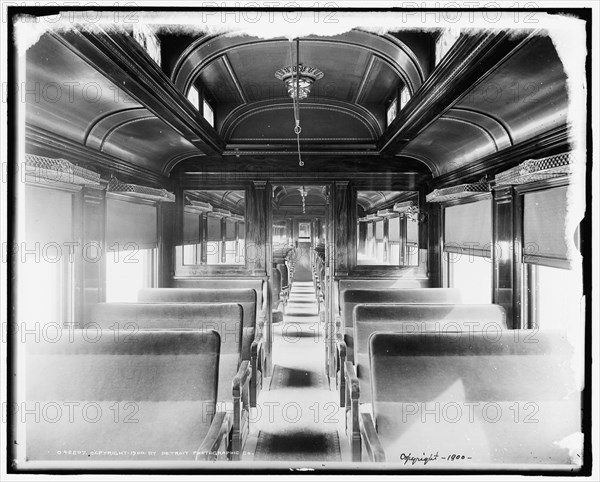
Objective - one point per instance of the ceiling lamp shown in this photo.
(303, 194)
(299, 79)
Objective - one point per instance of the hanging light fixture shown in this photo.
(303, 194)
(298, 80)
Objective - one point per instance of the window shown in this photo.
(553, 297)
(468, 250)
(194, 97)
(472, 275)
(208, 112)
(445, 42)
(127, 271)
(392, 110)
(404, 97)
(131, 240)
(214, 228)
(553, 284)
(386, 233)
(46, 268)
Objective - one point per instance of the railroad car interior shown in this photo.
(249, 250)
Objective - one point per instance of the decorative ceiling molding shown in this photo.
(241, 113)
(503, 125)
(207, 49)
(173, 161)
(127, 65)
(553, 141)
(234, 79)
(469, 122)
(94, 128)
(367, 73)
(472, 58)
(47, 143)
(122, 123)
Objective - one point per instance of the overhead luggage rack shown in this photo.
(197, 207)
(140, 192)
(537, 170)
(49, 170)
(457, 192)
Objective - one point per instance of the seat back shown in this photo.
(114, 397)
(275, 287)
(353, 297)
(244, 297)
(225, 318)
(224, 283)
(376, 284)
(409, 318)
(495, 399)
(283, 269)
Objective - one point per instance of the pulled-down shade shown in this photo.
(546, 237)
(130, 225)
(468, 228)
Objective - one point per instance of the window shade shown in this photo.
(214, 229)
(379, 230)
(544, 228)
(128, 222)
(48, 216)
(468, 228)
(230, 230)
(394, 234)
(412, 232)
(191, 228)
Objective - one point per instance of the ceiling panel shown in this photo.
(317, 122)
(255, 67)
(528, 93)
(64, 94)
(450, 144)
(147, 142)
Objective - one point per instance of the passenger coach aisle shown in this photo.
(298, 417)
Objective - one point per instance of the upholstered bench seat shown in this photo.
(146, 396)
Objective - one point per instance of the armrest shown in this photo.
(256, 365)
(340, 360)
(258, 340)
(369, 435)
(216, 438)
(241, 378)
(352, 381)
(353, 406)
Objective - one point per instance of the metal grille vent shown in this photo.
(45, 169)
(457, 192)
(537, 170)
(141, 192)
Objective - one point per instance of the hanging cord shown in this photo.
(296, 99)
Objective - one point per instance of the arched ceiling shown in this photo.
(99, 90)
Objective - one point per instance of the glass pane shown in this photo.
(127, 272)
(387, 229)
(556, 297)
(472, 275)
(214, 227)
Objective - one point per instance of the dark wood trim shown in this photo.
(342, 202)
(553, 141)
(53, 145)
(543, 185)
(472, 58)
(395, 181)
(127, 65)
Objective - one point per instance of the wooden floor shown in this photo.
(298, 419)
